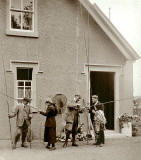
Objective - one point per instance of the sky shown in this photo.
(126, 17)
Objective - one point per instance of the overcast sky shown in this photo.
(126, 16)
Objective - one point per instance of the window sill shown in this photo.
(22, 34)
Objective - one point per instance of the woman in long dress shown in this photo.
(50, 124)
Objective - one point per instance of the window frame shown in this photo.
(20, 32)
(26, 64)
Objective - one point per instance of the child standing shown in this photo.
(100, 122)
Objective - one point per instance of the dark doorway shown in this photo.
(102, 84)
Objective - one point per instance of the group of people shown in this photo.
(71, 116)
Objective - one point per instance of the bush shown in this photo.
(124, 118)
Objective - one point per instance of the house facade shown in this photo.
(62, 47)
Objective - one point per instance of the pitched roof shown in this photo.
(128, 52)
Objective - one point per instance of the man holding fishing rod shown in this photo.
(23, 116)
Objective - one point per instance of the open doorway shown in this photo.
(102, 84)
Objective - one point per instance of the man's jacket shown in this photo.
(20, 112)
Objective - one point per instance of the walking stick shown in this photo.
(30, 131)
(88, 129)
(41, 122)
(30, 135)
(7, 103)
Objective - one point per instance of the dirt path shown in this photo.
(114, 149)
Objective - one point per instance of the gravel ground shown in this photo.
(114, 149)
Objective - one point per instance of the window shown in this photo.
(25, 78)
(22, 14)
(24, 83)
(22, 17)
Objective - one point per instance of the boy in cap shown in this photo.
(93, 109)
(24, 114)
(100, 122)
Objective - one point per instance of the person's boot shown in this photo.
(101, 145)
(52, 148)
(48, 146)
(74, 144)
(24, 145)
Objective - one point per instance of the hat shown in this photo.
(26, 99)
(77, 95)
(95, 96)
(49, 100)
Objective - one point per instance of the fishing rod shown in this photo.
(7, 103)
(86, 42)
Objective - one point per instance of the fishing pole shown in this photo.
(7, 103)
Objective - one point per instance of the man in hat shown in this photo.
(23, 114)
(72, 119)
(69, 119)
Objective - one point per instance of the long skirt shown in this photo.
(50, 135)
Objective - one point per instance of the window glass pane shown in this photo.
(27, 83)
(28, 92)
(28, 5)
(16, 4)
(20, 83)
(15, 20)
(24, 74)
(20, 92)
(27, 21)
